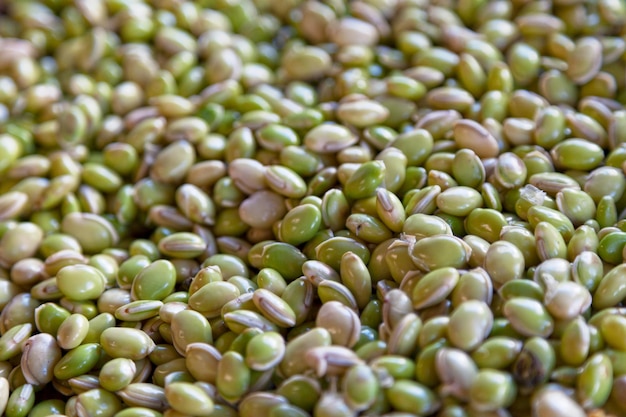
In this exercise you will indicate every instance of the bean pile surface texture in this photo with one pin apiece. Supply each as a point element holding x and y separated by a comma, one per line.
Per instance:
<point>298,208</point>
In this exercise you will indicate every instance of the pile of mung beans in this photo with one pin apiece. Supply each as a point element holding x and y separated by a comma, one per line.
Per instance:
<point>292,208</point>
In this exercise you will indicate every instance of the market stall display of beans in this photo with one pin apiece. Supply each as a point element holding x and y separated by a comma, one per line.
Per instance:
<point>299,208</point>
